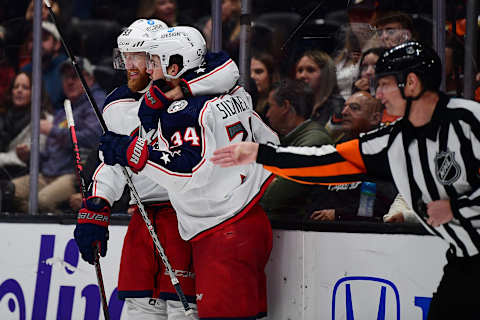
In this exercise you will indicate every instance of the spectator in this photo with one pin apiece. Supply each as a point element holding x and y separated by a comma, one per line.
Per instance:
<point>317,69</point>
<point>365,82</point>
<point>24,56</point>
<point>346,62</point>
<point>166,11</point>
<point>15,126</point>
<point>290,108</point>
<point>362,113</point>
<point>262,71</point>
<point>6,69</point>
<point>26,29</point>
<point>45,14</point>
<point>356,36</point>
<point>394,28</point>
<point>360,17</point>
<point>89,167</point>
<point>57,179</point>
<point>230,28</point>
<point>366,73</point>
<point>52,59</point>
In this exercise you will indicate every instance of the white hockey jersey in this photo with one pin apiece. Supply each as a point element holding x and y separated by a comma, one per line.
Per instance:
<point>204,195</point>
<point>120,114</point>
<point>218,74</point>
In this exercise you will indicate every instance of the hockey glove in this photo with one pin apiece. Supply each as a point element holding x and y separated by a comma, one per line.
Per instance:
<point>153,103</point>
<point>124,150</point>
<point>92,228</point>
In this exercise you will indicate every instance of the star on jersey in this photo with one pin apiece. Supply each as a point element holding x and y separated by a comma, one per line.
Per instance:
<point>200,70</point>
<point>165,157</point>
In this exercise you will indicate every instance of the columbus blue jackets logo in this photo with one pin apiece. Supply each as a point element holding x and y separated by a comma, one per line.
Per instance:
<point>177,106</point>
<point>448,170</point>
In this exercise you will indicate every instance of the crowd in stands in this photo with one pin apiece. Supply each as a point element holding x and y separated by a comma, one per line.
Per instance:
<point>314,85</point>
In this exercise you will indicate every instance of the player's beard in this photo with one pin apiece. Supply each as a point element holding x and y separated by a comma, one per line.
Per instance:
<point>140,82</point>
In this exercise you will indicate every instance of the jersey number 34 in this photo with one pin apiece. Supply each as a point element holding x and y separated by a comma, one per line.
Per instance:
<point>190,135</point>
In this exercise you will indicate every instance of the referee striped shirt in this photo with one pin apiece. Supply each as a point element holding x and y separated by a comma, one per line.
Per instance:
<point>438,161</point>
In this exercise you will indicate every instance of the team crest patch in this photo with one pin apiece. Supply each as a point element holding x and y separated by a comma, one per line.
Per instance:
<point>177,106</point>
<point>448,170</point>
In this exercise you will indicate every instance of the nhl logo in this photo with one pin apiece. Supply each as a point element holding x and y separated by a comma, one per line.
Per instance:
<point>177,106</point>
<point>448,170</point>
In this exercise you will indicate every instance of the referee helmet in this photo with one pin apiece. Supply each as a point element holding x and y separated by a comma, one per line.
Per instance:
<point>411,57</point>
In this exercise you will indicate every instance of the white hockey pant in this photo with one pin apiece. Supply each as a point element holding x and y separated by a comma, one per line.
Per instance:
<point>157,309</point>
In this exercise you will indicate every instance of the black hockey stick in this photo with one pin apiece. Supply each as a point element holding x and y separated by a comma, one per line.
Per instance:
<point>300,25</point>
<point>133,190</point>
<point>79,170</point>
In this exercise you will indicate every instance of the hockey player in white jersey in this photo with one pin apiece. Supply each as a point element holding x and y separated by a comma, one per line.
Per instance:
<point>217,208</point>
<point>143,282</point>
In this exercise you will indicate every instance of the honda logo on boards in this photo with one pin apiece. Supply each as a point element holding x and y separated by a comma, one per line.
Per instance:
<point>356,298</point>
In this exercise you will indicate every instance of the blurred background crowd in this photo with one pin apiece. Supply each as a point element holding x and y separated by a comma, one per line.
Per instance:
<point>312,81</point>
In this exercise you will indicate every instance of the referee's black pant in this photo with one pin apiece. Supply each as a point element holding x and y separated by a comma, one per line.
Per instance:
<point>458,294</point>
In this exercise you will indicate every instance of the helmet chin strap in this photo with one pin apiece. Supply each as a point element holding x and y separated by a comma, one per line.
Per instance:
<point>409,101</point>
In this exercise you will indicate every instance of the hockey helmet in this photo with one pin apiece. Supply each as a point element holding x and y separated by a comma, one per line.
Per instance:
<point>183,42</point>
<point>410,57</point>
<point>135,39</point>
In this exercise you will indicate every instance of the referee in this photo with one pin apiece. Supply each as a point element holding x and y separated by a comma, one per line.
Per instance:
<point>432,154</point>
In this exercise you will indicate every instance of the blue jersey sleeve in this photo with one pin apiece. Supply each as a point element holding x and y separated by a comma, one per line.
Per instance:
<point>212,61</point>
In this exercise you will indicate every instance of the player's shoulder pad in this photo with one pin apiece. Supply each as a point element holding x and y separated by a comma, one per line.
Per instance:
<point>211,62</point>
<point>122,92</point>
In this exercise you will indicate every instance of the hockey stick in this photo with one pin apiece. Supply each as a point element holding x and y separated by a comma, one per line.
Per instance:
<point>133,190</point>
<point>300,25</point>
<point>79,170</point>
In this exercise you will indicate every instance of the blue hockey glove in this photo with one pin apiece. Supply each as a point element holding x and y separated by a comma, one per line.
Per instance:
<point>124,150</point>
<point>92,228</point>
<point>153,103</point>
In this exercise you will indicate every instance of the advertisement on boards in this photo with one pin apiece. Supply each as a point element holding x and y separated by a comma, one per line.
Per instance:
<point>42,275</point>
<point>347,276</point>
<point>311,275</point>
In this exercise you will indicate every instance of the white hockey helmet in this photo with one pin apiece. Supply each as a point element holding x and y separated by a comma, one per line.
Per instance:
<point>186,42</point>
<point>135,39</point>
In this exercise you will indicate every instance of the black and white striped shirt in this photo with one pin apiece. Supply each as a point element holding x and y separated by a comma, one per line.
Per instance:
<point>438,161</point>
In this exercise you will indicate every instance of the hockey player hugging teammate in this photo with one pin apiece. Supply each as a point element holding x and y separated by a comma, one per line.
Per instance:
<point>143,282</point>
